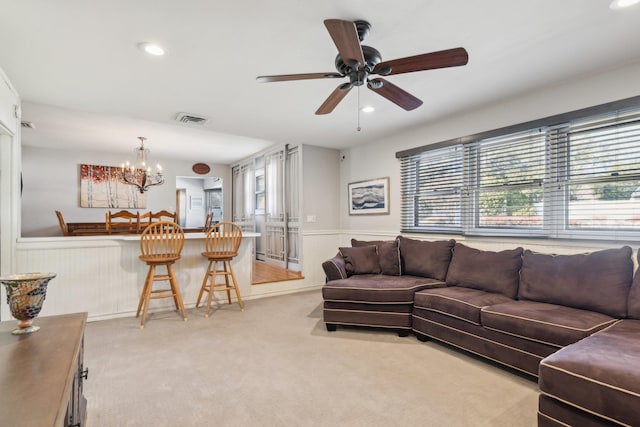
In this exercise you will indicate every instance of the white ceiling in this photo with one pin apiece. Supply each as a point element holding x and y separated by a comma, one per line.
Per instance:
<point>84,82</point>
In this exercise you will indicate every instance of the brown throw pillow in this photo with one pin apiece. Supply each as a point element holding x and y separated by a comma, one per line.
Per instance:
<point>388,255</point>
<point>425,259</point>
<point>485,270</point>
<point>596,281</point>
<point>361,260</point>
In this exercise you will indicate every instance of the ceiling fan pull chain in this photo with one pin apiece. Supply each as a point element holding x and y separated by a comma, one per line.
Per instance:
<point>358,128</point>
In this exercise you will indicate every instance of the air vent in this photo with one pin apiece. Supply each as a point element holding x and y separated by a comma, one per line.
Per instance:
<point>191,119</point>
<point>29,125</point>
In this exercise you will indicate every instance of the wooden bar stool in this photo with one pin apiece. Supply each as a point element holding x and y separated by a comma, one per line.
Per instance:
<point>221,246</point>
<point>160,244</point>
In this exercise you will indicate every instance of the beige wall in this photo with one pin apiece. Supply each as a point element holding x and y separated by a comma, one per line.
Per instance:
<point>320,183</point>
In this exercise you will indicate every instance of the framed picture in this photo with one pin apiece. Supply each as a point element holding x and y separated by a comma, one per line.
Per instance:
<point>100,188</point>
<point>370,197</point>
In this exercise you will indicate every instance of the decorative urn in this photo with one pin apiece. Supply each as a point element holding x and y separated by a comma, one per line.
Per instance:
<point>25,295</point>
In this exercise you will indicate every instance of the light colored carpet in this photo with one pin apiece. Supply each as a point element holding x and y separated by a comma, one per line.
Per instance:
<point>275,365</point>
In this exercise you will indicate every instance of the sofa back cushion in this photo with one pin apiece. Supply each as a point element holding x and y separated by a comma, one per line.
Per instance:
<point>361,260</point>
<point>425,259</point>
<point>597,281</point>
<point>633,303</point>
<point>485,270</point>
<point>388,254</point>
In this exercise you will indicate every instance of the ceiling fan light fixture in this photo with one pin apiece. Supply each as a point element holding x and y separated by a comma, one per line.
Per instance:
<point>358,62</point>
<point>151,48</point>
<point>622,4</point>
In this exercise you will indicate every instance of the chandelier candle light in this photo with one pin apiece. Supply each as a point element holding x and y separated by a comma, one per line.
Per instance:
<point>139,173</point>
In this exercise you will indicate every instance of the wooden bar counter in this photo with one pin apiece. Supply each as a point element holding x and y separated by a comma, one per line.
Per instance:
<point>41,374</point>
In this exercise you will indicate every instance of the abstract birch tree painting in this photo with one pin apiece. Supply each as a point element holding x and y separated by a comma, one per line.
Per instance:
<point>100,188</point>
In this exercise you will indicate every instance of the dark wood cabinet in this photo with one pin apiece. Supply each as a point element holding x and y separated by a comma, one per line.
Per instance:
<point>42,374</point>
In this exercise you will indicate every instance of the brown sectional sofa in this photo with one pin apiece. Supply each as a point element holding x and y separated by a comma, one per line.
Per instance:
<point>568,319</point>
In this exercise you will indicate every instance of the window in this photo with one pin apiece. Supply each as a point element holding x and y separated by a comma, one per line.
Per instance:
<point>505,177</point>
<point>431,190</point>
<point>602,182</point>
<point>579,178</point>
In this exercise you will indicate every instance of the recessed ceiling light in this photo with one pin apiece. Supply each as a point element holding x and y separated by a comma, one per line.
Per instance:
<point>621,4</point>
<point>368,109</point>
<point>151,48</point>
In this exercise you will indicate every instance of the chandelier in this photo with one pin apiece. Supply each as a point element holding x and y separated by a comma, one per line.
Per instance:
<point>139,173</point>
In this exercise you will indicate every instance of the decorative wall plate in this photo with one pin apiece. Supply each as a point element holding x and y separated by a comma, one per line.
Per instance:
<point>201,168</point>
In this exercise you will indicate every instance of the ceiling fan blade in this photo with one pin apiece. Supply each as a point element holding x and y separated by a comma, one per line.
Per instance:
<point>334,99</point>
<point>288,77</point>
<point>394,94</point>
<point>345,37</point>
<point>427,61</point>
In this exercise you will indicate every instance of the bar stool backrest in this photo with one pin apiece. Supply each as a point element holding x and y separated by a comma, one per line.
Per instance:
<point>162,239</point>
<point>224,239</point>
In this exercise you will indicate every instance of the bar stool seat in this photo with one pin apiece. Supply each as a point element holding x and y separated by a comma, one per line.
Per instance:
<point>160,244</point>
<point>221,246</point>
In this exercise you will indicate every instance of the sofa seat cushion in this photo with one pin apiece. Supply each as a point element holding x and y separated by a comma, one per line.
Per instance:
<point>377,288</point>
<point>460,302</point>
<point>546,323</point>
<point>384,315</point>
<point>516,352</point>
<point>598,374</point>
<point>368,306</point>
<point>553,413</point>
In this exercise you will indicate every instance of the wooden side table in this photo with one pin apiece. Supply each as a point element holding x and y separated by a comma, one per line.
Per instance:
<point>41,374</point>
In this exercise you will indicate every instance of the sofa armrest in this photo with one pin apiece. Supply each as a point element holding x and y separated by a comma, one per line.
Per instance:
<point>334,268</point>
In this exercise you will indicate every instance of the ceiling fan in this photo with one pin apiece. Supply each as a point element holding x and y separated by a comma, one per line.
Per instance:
<point>358,62</point>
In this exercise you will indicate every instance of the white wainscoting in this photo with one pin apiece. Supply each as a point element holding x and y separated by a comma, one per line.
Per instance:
<point>103,275</point>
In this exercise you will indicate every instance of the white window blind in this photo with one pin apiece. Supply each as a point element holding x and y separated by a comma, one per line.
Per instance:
<point>601,186</point>
<point>432,184</point>
<point>574,179</point>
